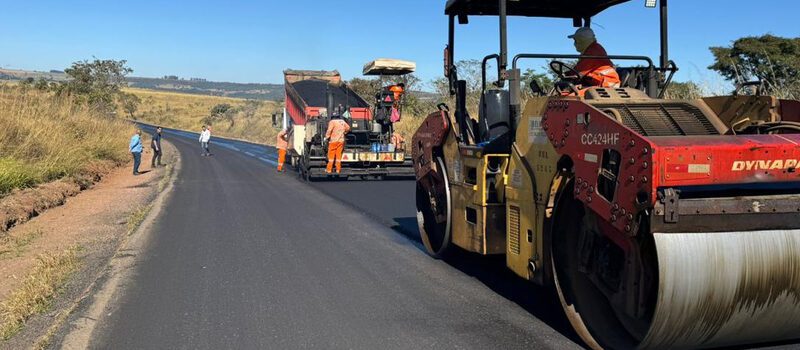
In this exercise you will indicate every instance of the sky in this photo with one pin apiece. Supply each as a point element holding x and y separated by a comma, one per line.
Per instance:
<point>254,41</point>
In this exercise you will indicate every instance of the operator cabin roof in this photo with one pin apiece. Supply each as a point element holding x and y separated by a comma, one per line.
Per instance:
<point>531,8</point>
<point>389,66</point>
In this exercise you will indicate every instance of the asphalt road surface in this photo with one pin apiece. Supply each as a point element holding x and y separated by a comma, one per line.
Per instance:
<point>243,257</point>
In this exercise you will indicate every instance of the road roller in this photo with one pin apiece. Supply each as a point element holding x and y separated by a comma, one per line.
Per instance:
<point>660,223</point>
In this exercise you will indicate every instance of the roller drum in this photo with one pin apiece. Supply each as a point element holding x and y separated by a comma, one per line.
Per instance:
<point>726,288</point>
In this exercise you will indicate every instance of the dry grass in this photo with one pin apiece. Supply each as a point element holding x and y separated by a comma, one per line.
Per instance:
<point>252,120</point>
<point>137,217</point>
<point>44,138</point>
<point>14,246</point>
<point>37,291</point>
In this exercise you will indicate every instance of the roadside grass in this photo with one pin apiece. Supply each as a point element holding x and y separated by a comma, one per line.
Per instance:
<point>162,184</point>
<point>250,120</point>
<point>136,218</point>
<point>11,246</point>
<point>44,138</point>
<point>36,294</point>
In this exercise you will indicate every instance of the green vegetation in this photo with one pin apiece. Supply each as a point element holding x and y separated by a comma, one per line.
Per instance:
<point>775,61</point>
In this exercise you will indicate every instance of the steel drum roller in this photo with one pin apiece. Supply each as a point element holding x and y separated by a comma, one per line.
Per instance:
<point>725,288</point>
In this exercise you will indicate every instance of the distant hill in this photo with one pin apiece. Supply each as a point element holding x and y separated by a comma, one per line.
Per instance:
<point>255,91</point>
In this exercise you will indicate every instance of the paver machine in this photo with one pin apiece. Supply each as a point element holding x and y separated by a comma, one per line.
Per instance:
<point>660,223</point>
<point>312,97</point>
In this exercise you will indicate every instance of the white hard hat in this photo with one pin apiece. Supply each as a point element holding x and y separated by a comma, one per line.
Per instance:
<point>583,33</point>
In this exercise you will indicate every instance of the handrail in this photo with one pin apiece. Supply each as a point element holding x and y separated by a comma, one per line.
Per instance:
<point>483,68</point>
<point>668,81</point>
<point>577,57</point>
<point>652,84</point>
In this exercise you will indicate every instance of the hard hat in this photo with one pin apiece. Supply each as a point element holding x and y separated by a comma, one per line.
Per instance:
<point>583,33</point>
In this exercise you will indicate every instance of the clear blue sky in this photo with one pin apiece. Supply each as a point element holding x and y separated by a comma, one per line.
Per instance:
<point>253,41</point>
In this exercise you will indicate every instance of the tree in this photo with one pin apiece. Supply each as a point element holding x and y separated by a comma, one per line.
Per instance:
<point>775,61</point>
<point>130,103</point>
<point>222,111</point>
<point>41,85</point>
<point>27,82</point>
<point>412,104</point>
<point>684,91</point>
<point>97,82</point>
<point>545,81</point>
<point>365,88</point>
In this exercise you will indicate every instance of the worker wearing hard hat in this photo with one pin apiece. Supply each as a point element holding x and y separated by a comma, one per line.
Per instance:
<point>282,143</point>
<point>397,90</point>
<point>337,128</point>
<point>595,71</point>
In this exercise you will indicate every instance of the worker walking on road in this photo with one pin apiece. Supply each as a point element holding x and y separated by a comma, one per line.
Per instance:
<point>135,148</point>
<point>205,137</point>
<point>337,128</point>
<point>282,143</point>
<point>595,71</point>
<point>155,144</point>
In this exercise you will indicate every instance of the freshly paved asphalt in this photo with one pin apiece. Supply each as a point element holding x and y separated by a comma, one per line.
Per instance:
<point>243,257</point>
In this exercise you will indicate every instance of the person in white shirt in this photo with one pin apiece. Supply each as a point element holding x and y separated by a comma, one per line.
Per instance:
<point>205,136</point>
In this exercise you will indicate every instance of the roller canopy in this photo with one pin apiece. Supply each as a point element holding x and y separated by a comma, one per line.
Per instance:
<point>531,8</point>
<point>388,66</point>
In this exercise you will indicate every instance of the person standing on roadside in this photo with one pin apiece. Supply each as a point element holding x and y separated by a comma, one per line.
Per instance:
<point>205,137</point>
<point>282,143</point>
<point>155,144</point>
<point>135,148</point>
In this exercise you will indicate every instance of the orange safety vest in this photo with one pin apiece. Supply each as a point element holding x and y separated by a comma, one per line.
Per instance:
<point>282,141</point>
<point>397,140</point>
<point>397,90</point>
<point>597,71</point>
<point>337,128</point>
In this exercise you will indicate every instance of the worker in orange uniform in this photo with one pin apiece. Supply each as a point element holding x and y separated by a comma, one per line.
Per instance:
<point>398,141</point>
<point>398,90</point>
<point>282,143</point>
<point>337,128</point>
<point>595,71</point>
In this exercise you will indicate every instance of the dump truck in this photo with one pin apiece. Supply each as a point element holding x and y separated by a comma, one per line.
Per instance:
<point>660,223</point>
<point>311,99</point>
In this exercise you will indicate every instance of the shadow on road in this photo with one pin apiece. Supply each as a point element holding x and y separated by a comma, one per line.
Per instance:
<point>541,302</point>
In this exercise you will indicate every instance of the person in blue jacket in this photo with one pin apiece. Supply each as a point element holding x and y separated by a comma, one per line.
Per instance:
<point>136,150</point>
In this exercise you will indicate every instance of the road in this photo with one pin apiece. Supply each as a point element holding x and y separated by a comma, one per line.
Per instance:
<point>244,257</point>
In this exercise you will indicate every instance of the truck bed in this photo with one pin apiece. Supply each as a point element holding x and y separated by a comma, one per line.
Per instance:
<point>313,93</point>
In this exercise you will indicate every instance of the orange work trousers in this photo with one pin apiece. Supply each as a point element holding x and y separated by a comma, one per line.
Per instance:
<point>281,158</point>
<point>335,156</point>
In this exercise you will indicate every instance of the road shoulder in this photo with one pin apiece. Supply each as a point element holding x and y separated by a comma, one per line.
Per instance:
<point>92,225</point>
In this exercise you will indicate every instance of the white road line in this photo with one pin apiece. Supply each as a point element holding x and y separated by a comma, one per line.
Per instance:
<point>269,161</point>
<point>249,154</point>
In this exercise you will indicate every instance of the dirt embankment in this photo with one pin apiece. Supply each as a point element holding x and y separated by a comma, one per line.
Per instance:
<point>52,259</point>
<point>20,206</point>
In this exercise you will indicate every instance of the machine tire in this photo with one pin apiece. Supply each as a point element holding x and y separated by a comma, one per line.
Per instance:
<point>435,236</point>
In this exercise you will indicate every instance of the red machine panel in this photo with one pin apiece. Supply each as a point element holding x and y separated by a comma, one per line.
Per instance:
<point>618,171</point>
<point>613,164</point>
